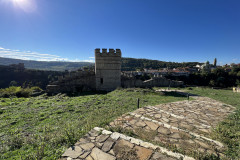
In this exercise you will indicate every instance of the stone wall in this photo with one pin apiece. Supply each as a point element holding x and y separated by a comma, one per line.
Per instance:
<point>128,82</point>
<point>108,69</point>
<point>74,82</point>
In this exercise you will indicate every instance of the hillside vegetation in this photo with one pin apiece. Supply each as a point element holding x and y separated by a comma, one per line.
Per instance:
<point>44,65</point>
<point>26,77</point>
<point>132,64</point>
<point>128,64</point>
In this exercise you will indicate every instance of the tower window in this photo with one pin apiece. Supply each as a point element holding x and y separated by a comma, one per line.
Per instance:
<point>101,80</point>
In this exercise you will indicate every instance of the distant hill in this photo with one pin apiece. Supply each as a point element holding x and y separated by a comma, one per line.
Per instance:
<point>43,65</point>
<point>131,64</point>
<point>128,64</point>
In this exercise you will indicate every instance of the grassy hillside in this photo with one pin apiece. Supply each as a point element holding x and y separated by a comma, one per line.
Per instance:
<point>43,127</point>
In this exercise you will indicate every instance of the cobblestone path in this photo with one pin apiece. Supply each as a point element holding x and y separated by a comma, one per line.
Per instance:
<point>178,130</point>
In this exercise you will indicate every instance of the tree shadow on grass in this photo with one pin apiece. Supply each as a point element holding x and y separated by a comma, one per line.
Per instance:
<point>178,94</point>
<point>87,93</point>
<point>76,94</point>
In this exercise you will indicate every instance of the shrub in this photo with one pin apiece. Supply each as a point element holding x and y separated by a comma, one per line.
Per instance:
<point>18,91</point>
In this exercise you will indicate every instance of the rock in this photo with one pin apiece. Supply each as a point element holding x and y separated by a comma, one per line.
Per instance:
<point>98,129</point>
<point>97,154</point>
<point>164,131</point>
<point>111,152</point>
<point>140,124</point>
<point>124,137</point>
<point>83,140</point>
<point>202,144</point>
<point>89,158</point>
<point>160,156</point>
<point>107,145</point>
<point>153,126</point>
<point>147,128</point>
<point>165,119</point>
<point>135,141</point>
<point>73,153</point>
<point>115,136</point>
<point>92,138</point>
<point>186,126</point>
<point>148,145</point>
<point>84,155</point>
<point>175,135</point>
<point>137,115</point>
<point>87,146</point>
<point>111,124</point>
<point>204,130</point>
<point>132,122</point>
<point>143,153</point>
<point>158,116</point>
<point>99,145</point>
<point>102,138</point>
<point>93,133</point>
<point>106,132</point>
<point>124,143</point>
<point>141,110</point>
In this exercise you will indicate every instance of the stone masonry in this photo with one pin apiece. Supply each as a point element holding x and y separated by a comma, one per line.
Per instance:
<point>108,69</point>
<point>178,130</point>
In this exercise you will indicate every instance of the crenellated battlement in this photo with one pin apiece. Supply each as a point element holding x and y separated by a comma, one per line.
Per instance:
<point>107,69</point>
<point>106,53</point>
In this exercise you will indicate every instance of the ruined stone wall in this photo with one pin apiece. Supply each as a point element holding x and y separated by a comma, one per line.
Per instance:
<point>73,82</point>
<point>128,82</point>
<point>108,69</point>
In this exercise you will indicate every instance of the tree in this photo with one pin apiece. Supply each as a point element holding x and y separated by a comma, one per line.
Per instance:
<point>13,83</point>
<point>215,62</point>
<point>238,82</point>
<point>238,74</point>
<point>212,83</point>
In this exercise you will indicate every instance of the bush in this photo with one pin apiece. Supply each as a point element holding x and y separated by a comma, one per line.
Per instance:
<point>18,91</point>
<point>36,89</point>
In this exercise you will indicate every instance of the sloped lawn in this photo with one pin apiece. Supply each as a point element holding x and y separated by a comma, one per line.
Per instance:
<point>43,127</point>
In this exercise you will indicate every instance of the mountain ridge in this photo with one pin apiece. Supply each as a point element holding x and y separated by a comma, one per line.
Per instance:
<point>128,64</point>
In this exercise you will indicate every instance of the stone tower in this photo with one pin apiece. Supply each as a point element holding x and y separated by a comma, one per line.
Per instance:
<point>107,69</point>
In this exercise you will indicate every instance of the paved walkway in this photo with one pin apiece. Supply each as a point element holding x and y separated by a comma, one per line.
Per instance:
<point>178,130</point>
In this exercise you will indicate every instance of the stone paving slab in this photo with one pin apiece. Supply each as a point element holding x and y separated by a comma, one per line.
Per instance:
<point>183,127</point>
<point>205,111</point>
<point>100,144</point>
<point>184,124</point>
<point>197,116</point>
<point>166,135</point>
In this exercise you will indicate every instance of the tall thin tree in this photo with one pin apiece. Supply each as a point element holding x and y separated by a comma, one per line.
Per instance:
<point>215,62</point>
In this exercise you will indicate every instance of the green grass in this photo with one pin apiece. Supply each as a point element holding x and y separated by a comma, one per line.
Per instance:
<point>43,127</point>
<point>227,131</point>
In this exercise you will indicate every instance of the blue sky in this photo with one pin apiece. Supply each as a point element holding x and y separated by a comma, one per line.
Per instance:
<point>167,30</point>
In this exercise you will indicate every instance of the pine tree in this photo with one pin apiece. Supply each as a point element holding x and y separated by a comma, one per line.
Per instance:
<point>215,62</point>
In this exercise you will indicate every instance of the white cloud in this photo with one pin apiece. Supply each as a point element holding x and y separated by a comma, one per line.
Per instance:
<point>29,55</point>
<point>92,61</point>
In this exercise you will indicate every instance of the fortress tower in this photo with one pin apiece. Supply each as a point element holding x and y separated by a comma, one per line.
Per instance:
<point>107,69</point>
